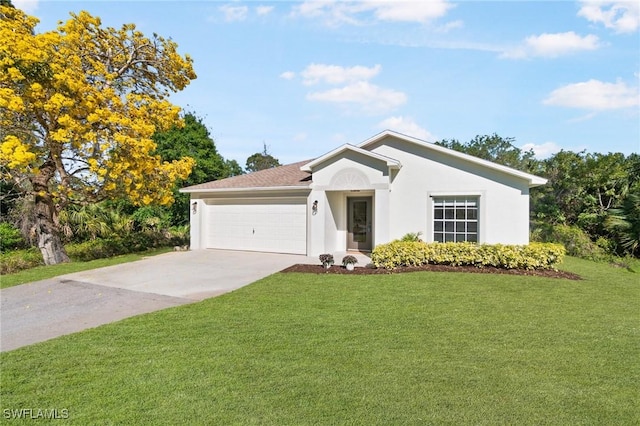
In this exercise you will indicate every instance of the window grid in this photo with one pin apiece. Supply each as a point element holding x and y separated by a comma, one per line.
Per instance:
<point>455,219</point>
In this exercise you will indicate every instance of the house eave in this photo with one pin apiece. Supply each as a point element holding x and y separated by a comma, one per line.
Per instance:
<point>538,181</point>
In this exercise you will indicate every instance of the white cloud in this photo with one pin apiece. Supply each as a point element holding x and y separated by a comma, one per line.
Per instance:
<point>595,95</point>
<point>27,6</point>
<point>561,43</point>
<point>330,11</point>
<point>335,74</point>
<point>407,126</point>
<point>288,75</point>
<point>369,97</point>
<point>313,8</point>
<point>408,11</point>
<point>264,10</point>
<point>234,13</point>
<point>553,45</point>
<point>450,26</point>
<point>355,93</point>
<point>351,12</point>
<point>620,16</point>
<point>543,150</point>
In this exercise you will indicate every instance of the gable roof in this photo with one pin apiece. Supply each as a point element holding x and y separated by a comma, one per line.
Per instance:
<point>283,177</point>
<point>532,179</point>
<point>297,176</point>
<point>390,162</point>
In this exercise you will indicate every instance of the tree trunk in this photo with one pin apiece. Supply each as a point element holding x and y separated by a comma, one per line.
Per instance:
<point>49,241</point>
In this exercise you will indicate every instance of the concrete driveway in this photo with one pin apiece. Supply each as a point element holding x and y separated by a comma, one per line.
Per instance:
<point>195,275</point>
<point>43,310</point>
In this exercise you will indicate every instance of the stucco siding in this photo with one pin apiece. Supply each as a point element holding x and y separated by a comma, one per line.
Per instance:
<point>351,171</point>
<point>504,199</point>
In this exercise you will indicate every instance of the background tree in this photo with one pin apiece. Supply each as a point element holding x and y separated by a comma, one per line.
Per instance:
<point>624,224</point>
<point>583,187</point>
<point>233,167</point>
<point>497,149</point>
<point>192,140</point>
<point>589,202</point>
<point>78,106</point>
<point>261,161</point>
<point>562,199</point>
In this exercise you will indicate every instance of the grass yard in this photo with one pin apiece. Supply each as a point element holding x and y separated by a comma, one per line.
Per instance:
<point>418,348</point>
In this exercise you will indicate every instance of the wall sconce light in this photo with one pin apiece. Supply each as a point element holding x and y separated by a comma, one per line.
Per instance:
<point>194,207</point>
<point>314,207</point>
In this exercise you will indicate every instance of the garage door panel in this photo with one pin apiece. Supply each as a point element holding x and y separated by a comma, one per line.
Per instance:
<point>277,225</point>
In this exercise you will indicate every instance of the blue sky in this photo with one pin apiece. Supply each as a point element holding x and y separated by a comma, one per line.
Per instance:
<point>306,77</point>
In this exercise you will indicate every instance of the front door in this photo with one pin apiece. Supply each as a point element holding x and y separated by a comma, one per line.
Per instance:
<point>359,223</point>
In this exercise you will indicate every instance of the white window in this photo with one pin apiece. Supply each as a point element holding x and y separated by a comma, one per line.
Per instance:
<point>455,219</point>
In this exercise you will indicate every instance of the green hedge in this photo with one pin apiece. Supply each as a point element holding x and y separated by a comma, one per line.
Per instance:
<point>99,248</point>
<point>575,240</point>
<point>10,237</point>
<point>107,247</point>
<point>18,260</point>
<point>407,253</point>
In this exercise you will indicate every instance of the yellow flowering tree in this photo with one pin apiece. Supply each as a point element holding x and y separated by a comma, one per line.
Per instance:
<point>78,107</point>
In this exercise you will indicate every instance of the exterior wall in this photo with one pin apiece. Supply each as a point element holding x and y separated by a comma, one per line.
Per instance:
<point>195,228</point>
<point>504,199</point>
<point>382,216</point>
<point>316,223</point>
<point>335,230</point>
<point>348,175</point>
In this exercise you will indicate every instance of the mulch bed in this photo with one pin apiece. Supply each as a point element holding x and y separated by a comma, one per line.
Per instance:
<point>319,269</point>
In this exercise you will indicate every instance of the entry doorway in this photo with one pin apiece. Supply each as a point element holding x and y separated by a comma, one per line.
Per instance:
<point>359,223</point>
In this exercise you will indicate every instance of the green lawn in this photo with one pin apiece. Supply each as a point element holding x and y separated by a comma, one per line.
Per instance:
<point>418,348</point>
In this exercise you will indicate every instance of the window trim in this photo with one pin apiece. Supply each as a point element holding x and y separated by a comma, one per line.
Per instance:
<point>481,200</point>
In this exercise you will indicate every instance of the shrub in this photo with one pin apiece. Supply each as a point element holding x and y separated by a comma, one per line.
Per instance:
<point>411,236</point>
<point>179,235</point>
<point>575,240</point>
<point>96,249</point>
<point>18,260</point>
<point>10,237</point>
<point>151,218</point>
<point>349,260</point>
<point>532,256</point>
<point>326,259</point>
<point>107,247</point>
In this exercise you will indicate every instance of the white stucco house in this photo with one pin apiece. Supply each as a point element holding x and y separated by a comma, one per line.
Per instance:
<point>358,196</point>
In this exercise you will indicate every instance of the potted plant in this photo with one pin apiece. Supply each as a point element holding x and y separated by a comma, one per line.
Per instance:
<point>327,260</point>
<point>349,262</point>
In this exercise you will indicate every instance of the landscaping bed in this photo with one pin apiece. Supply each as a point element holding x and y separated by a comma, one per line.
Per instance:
<point>319,269</point>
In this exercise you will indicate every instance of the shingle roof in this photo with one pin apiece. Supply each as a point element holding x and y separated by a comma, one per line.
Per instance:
<point>282,176</point>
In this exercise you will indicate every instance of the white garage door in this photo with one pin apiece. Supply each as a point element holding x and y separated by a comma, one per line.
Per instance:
<point>274,225</point>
